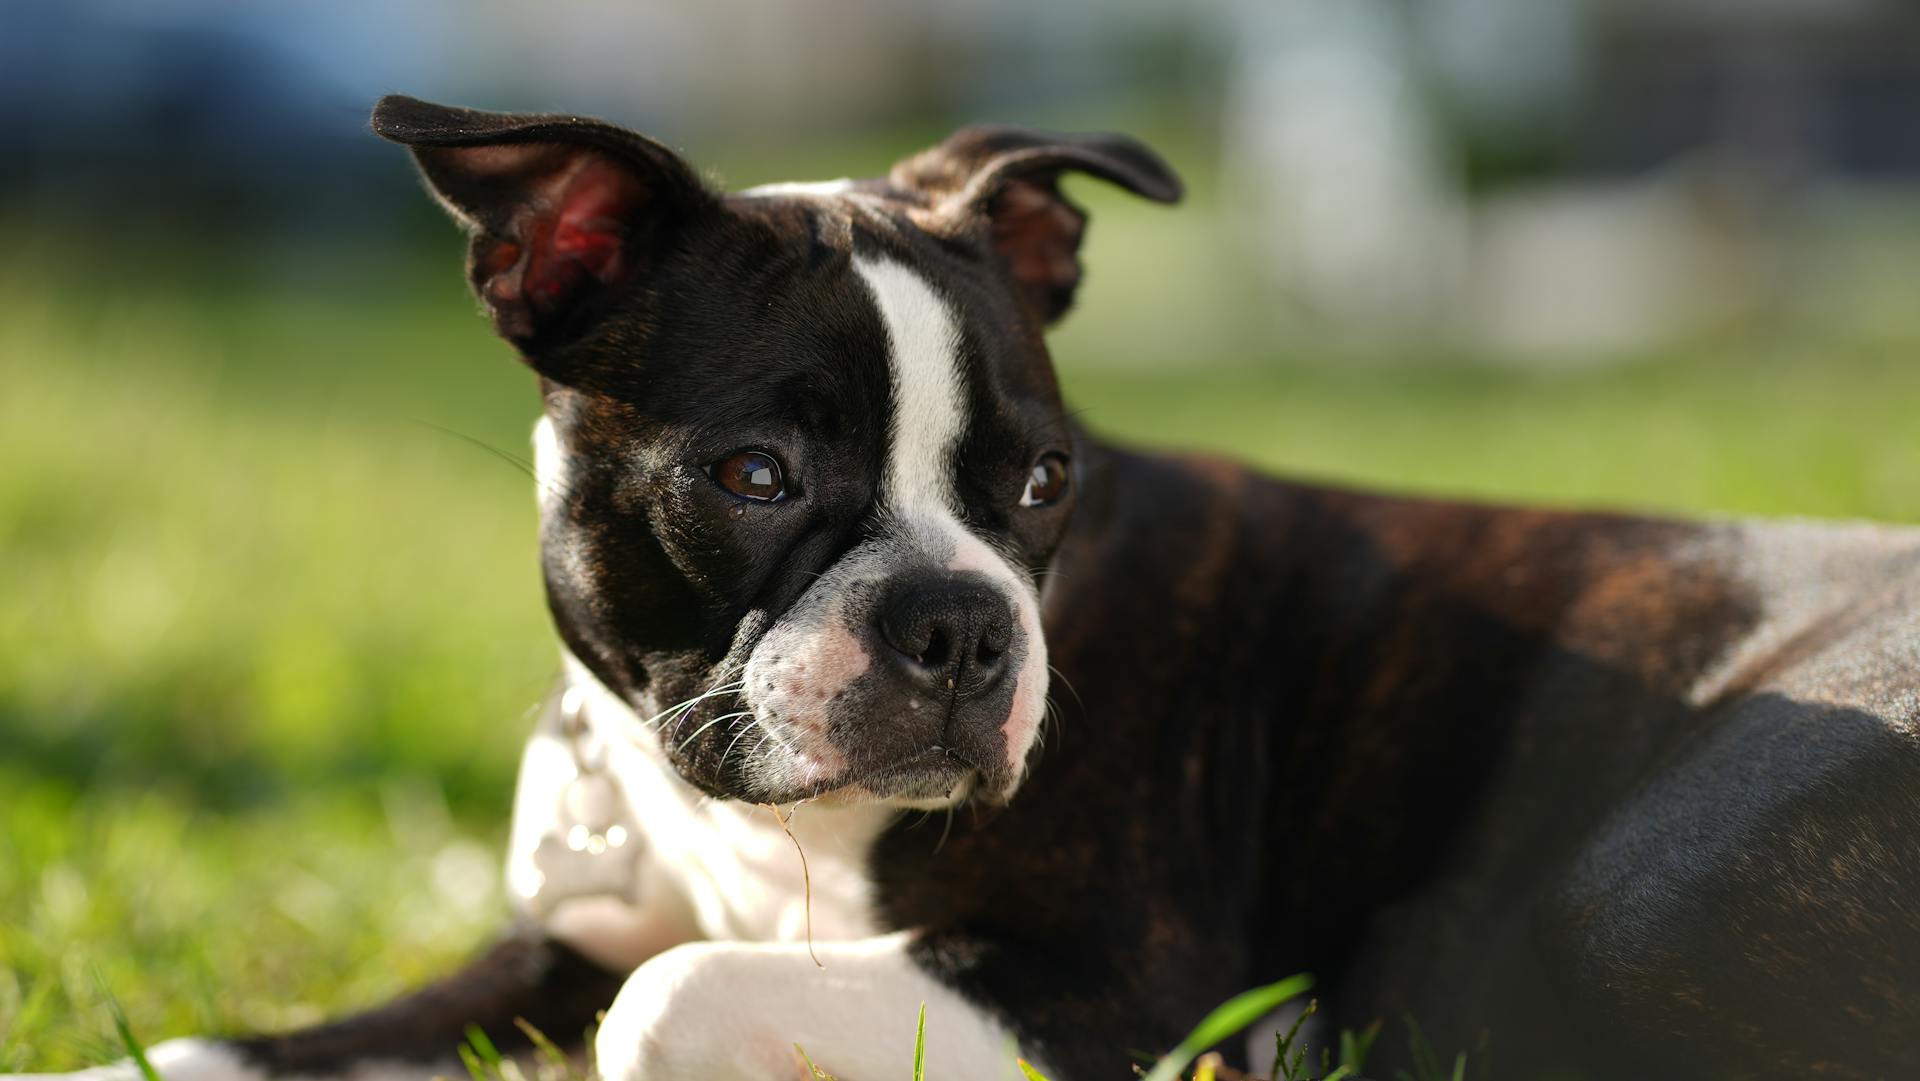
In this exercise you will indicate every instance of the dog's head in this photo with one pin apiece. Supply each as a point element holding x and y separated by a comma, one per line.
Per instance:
<point>803,457</point>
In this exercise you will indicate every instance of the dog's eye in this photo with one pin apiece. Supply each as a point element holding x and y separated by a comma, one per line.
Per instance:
<point>750,474</point>
<point>1047,483</point>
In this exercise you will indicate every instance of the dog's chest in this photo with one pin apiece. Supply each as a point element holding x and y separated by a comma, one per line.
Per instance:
<point>742,872</point>
<point>602,822</point>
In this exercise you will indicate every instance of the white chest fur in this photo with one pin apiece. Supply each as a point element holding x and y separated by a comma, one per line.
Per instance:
<point>621,857</point>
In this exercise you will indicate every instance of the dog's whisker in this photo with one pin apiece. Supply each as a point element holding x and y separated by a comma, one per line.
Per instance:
<point>757,744</point>
<point>744,729</point>
<point>511,459</point>
<point>695,700</point>
<point>696,732</point>
<point>945,831</point>
<point>775,732</point>
<point>725,688</point>
<point>680,722</point>
<point>1068,684</point>
<point>683,709</point>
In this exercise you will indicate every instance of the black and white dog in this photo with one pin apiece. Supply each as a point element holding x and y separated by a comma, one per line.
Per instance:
<point>1640,798</point>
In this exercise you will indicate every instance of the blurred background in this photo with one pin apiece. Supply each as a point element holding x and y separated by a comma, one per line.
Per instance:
<point>270,624</point>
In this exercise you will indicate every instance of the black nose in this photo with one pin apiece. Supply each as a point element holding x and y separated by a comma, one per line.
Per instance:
<point>948,633</point>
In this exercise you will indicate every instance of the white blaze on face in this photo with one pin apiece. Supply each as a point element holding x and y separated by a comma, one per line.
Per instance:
<point>929,398</point>
<point>929,418</point>
<point>800,189</point>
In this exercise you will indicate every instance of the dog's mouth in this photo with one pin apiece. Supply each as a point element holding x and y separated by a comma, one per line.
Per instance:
<point>928,776</point>
<point>935,776</point>
<point>781,759</point>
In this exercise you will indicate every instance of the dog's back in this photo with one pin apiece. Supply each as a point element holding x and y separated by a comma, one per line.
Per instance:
<point>1623,793</point>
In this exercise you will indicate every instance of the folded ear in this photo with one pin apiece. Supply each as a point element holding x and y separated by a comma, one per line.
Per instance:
<point>562,210</point>
<point>1007,181</point>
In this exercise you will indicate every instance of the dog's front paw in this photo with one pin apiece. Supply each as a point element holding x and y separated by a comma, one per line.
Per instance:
<point>738,1011</point>
<point>690,1014</point>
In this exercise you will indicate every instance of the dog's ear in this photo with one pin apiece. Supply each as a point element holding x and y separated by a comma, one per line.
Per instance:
<point>1006,181</point>
<point>562,210</point>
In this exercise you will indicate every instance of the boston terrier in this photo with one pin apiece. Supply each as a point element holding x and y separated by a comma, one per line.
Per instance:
<point>886,684</point>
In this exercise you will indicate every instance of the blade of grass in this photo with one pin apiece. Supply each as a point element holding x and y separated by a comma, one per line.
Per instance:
<point>1287,1054</point>
<point>920,1047</point>
<point>1356,1046</point>
<point>1426,1061</point>
<point>482,1046</point>
<point>38,1004</point>
<point>1228,1018</point>
<point>813,1071</point>
<point>1028,1072</point>
<point>546,1048</point>
<point>476,1069</point>
<point>134,1050</point>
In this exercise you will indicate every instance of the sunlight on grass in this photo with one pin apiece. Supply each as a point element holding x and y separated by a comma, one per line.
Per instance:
<point>1778,431</point>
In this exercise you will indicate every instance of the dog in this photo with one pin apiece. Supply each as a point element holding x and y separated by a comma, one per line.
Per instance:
<point>887,684</point>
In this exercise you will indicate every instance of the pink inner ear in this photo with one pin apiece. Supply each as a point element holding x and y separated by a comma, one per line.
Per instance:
<point>1038,234</point>
<point>590,217</point>
<point>566,244</point>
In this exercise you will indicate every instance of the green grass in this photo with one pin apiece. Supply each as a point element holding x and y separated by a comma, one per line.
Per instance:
<point>268,636</point>
<point>1227,1020</point>
<point>245,773</point>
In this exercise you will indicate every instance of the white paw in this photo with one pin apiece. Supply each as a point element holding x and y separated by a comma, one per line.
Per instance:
<point>735,1011</point>
<point>688,1015</point>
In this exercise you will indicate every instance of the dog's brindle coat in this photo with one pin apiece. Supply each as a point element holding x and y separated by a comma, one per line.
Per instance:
<point>1637,797</point>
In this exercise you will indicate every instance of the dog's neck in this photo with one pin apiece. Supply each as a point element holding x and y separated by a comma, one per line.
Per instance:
<point>741,871</point>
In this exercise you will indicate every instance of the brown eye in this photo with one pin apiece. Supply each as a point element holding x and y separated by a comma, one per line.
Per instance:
<point>1047,483</point>
<point>750,474</point>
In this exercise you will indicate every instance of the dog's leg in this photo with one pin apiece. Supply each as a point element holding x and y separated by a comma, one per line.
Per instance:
<point>590,920</point>
<point>526,976</point>
<point>1751,911</point>
<point>723,1011</point>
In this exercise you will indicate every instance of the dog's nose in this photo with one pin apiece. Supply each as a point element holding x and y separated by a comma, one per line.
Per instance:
<point>948,634</point>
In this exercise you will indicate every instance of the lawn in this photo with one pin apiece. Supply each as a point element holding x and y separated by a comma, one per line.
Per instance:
<point>271,627</point>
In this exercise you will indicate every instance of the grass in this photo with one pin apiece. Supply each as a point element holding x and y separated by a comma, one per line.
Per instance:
<point>269,635</point>
<point>483,1061</point>
<point>1231,1017</point>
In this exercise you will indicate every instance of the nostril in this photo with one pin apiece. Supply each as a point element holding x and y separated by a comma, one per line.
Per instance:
<point>987,653</point>
<point>911,636</point>
<point>938,649</point>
